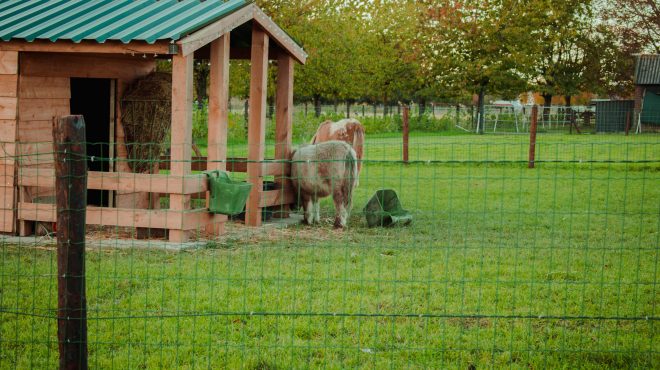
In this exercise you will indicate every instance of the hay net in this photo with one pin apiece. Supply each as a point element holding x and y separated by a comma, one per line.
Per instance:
<point>147,117</point>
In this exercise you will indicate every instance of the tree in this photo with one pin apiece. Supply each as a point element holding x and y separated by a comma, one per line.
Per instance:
<point>480,46</point>
<point>566,57</point>
<point>636,23</point>
<point>630,27</point>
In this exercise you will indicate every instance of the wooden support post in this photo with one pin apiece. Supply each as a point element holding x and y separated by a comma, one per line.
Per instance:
<point>111,144</point>
<point>257,122</point>
<point>181,144</point>
<point>8,137</point>
<point>406,119</point>
<point>283,120</point>
<point>218,115</point>
<point>71,193</point>
<point>628,122</point>
<point>532,135</point>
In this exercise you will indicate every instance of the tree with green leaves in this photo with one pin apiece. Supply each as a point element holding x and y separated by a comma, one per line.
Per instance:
<point>565,60</point>
<point>480,46</point>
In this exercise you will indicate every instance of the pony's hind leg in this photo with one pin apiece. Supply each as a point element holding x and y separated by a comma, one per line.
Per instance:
<point>341,213</point>
<point>317,211</point>
<point>308,207</point>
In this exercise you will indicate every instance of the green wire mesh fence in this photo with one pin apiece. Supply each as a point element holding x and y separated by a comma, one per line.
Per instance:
<point>502,265</point>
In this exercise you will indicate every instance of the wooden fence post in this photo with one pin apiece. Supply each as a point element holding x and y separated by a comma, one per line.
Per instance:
<point>257,123</point>
<point>532,135</point>
<point>406,116</point>
<point>71,194</point>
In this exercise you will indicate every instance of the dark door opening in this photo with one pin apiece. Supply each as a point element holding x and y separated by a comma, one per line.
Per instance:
<point>91,98</point>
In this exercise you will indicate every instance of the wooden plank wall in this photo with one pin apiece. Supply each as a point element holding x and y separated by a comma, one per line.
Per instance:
<point>8,111</point>
<point>44,92</point>
<point>39,100</point>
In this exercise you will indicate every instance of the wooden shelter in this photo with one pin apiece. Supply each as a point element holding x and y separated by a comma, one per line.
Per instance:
<point>55,55</point>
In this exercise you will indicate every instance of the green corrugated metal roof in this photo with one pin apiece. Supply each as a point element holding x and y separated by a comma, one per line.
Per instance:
<point>102,20</point>
<point>647,70</point>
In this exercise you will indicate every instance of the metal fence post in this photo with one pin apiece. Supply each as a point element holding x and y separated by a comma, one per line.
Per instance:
<point>406,115</point>
<point>71,194</point>
<point>532,136</point>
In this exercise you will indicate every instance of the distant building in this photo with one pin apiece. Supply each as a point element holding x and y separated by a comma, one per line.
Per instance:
<point>647,92</point>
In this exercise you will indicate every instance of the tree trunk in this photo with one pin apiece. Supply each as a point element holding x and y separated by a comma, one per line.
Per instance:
<point>246,110</point>
<point>547,103</point>
<point>201,80</point>
<point>422,107</point>
<point>317,106</point>
<point>305,109</point>
<point>271,108</point>
<point>482,110</point>
<point>571,115</point>
<point>348,109</point>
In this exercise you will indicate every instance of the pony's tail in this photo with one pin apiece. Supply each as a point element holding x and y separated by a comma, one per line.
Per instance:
<point>358,145</point>
<point>351,173</point>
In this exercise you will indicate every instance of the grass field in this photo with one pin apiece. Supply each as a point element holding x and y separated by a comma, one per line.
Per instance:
<point>503,266</point>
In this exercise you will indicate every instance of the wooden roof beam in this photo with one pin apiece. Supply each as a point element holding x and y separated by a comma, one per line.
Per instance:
<point>108,47</point>
<point>215,30</point>
<point>279,36</point>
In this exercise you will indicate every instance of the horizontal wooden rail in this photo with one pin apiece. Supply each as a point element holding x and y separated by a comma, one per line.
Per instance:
<point>276,197</point>
<point>196,163</point>
<point>126,217</point>
<point>121,181</point>
<point>269,167</point>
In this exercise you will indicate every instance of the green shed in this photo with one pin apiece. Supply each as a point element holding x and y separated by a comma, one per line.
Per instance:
<point>614,115</point>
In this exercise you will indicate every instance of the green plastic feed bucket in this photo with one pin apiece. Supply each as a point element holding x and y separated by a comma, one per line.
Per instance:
<point>228,197</point>
<point>384,209</point>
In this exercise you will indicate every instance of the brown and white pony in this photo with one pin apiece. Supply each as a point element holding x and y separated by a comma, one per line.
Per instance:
<point>348,130</point>
<point>321,170</point>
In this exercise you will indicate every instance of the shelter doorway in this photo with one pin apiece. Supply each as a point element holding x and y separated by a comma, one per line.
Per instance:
<point>94,99</point>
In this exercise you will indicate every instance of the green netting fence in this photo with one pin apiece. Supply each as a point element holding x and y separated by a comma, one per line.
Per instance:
<point>502,265</point>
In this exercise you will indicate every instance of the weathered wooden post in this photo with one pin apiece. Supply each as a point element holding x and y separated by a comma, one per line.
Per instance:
<point>71,193</point>
<point>406,116</point>
<point>628,122</point>
<point>257,123</point>
<point>532,135</point>
<point>284,125</point>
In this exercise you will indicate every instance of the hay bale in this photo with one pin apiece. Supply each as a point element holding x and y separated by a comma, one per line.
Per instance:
<point>146,108</point>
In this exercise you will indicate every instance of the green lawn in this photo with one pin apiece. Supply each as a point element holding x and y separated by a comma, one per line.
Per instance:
<point>503,266</point>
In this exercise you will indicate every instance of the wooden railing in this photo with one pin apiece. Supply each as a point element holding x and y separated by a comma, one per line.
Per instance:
<point>121,181</point>
<point>194,185</point>
<point>124,182</point>
<point>268,168</point>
